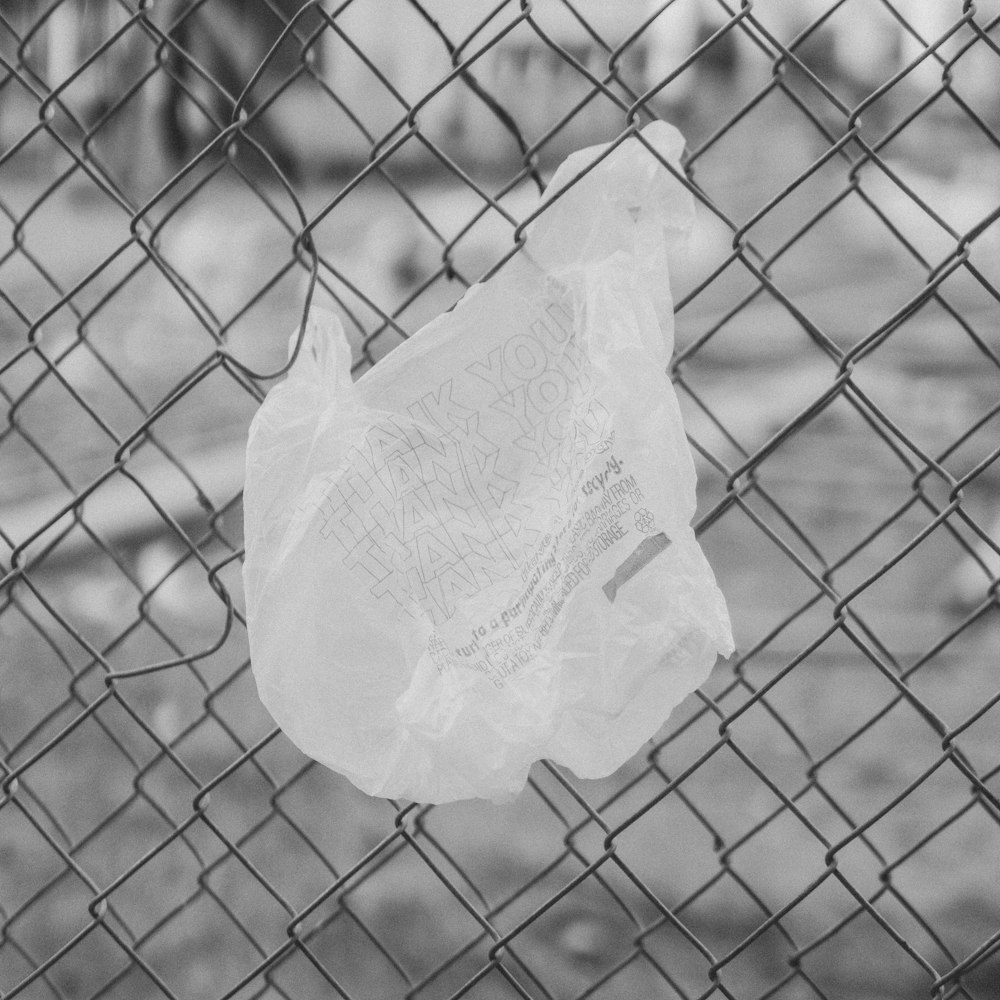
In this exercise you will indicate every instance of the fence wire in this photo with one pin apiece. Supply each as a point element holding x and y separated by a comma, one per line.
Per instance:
<point>181,180</point>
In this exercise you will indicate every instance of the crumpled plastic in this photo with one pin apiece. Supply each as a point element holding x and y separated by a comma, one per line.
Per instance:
<point>479,555</point>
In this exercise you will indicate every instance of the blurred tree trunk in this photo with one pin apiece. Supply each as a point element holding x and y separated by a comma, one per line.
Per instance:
<point>228,42</point>
<point>203,61</point>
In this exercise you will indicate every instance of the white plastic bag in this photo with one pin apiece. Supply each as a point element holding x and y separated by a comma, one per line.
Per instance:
<point>480,554</point>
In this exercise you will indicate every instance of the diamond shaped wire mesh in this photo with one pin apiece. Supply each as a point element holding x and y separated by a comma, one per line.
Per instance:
<point>181,180</point>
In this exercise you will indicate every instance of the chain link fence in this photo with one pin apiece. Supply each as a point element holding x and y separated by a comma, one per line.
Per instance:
<point>180,180</point>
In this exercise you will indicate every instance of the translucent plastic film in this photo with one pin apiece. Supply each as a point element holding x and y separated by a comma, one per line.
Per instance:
<point>480,554</point>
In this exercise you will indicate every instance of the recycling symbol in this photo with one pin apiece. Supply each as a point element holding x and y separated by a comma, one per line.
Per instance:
<point>644,520</point>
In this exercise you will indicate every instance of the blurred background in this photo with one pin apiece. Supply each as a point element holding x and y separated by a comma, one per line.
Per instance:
<point>180,179</point>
